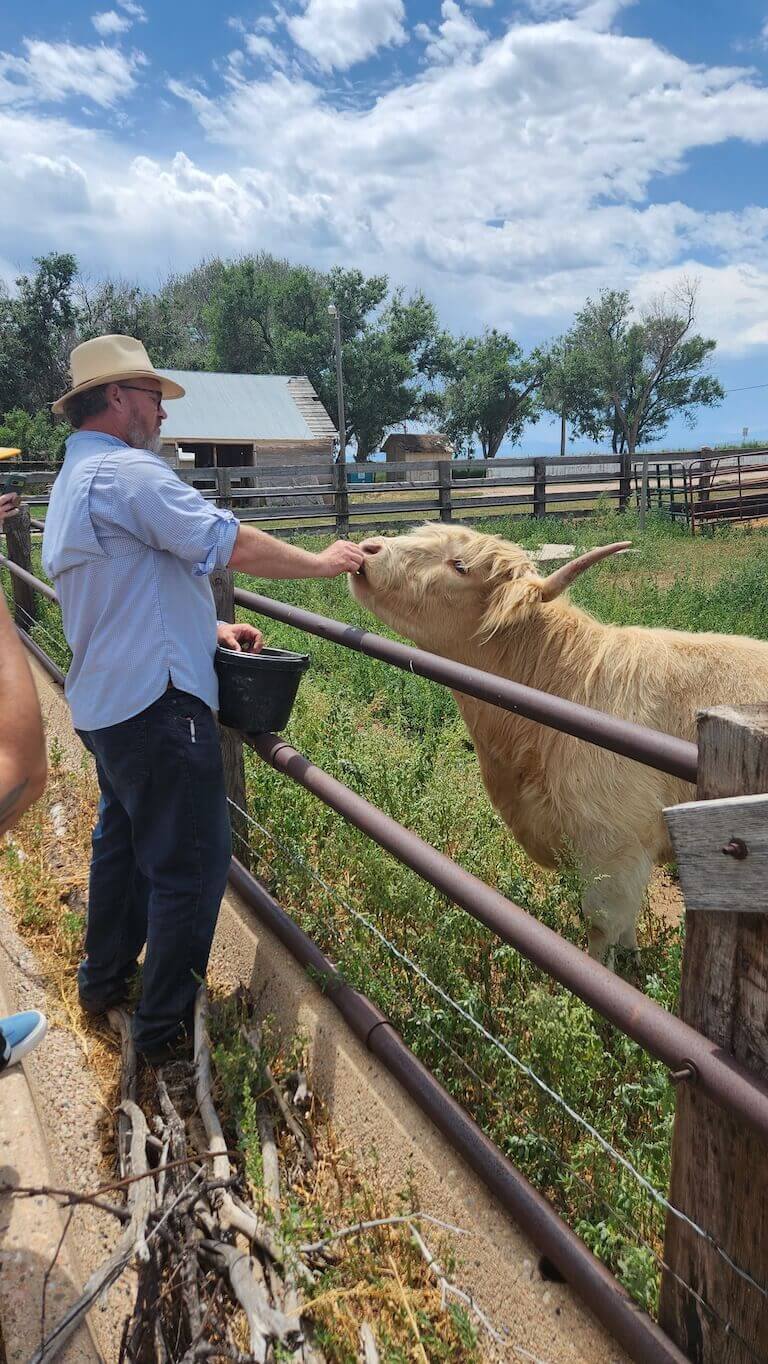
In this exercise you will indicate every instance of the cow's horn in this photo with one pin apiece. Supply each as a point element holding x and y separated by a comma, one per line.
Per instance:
<point>562,578</point>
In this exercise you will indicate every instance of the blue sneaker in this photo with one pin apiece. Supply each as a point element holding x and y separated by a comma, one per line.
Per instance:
<point>19,1033</point>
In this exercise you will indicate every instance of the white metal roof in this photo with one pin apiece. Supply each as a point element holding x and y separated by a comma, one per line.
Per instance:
<point>244,407</point>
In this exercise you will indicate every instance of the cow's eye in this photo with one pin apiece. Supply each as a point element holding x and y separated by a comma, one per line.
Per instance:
<point>459,565</point>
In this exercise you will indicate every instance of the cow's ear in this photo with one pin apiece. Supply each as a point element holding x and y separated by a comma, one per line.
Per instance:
<point>510,602</point>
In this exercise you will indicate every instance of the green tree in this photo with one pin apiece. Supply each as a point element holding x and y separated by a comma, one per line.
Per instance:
<point>37,328</point>
<point>489,390</point>
<point>270,317</point>
<point>569,389</point>
<point>641,373</point>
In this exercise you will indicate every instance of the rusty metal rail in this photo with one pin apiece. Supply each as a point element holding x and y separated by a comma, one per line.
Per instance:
<point>661,751</point>
<point>684,1051</point>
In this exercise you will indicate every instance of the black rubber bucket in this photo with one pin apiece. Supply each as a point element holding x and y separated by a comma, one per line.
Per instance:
<point>257,691</point>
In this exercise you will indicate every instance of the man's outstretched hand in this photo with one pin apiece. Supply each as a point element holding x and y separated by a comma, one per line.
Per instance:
<point>340,557</point>
<point>242,638</point>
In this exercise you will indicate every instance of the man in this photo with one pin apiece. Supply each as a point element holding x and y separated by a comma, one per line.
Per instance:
<point>129,548</point>
<point>22,778</point>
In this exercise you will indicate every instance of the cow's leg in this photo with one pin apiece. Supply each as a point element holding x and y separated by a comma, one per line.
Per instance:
<point>612,905</point>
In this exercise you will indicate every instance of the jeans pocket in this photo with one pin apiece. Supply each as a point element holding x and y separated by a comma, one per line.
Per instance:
<point>122,751</point>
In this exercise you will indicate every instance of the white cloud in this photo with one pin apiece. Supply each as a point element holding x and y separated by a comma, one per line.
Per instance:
<point>109,22</point>
<point>339,33</point>
<point>52,72</point>
<point>732,303</point>
<point>136,12</point>
<point>261,48</point>
<point>457,37</point>
<point>509,186</point>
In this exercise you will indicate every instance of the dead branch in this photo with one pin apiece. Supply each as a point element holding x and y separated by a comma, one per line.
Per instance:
<point>264,1322</point>
<point>253,1038</point>
<point>119,1020</point>
<point>232,1213</point>
<point>66,1198</point>
<point>450,1289</point>
<point>315,1247</point>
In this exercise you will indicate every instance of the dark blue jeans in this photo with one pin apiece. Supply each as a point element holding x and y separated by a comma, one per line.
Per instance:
<point>161,853</point>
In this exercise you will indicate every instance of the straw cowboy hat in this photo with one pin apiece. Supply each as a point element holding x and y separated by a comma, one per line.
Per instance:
<point>111,360</point>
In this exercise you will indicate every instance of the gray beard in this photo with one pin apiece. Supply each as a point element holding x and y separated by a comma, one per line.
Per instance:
<point>138,439</point>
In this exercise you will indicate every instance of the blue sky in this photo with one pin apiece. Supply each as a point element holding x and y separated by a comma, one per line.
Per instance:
<point>509,158</point>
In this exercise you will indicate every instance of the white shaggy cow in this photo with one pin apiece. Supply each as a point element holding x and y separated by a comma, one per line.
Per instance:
<point>479,600</point>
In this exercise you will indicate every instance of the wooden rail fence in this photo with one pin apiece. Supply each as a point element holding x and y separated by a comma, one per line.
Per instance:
<point>343,498</point>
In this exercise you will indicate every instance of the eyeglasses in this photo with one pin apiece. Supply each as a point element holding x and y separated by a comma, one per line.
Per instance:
<point>136,388</point>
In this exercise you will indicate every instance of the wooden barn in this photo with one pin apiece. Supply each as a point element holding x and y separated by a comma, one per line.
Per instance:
<point>237,420</point>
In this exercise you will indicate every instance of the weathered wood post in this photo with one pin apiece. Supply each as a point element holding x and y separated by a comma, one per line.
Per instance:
<point>539,487</point>
<point>18,537</point>
<point>444,489</point>
<point>705,474</point>
<point>224,494</point>
<point>341,500</point>
<point>719,1168</point>
<point>644,492</point>
<point>625,480</point>
<point>223,587</point>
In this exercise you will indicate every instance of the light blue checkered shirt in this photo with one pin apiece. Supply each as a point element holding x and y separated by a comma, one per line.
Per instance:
<point>128,547</point>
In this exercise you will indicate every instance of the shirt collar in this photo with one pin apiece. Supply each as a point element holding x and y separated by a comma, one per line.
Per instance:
<point>82,441</point>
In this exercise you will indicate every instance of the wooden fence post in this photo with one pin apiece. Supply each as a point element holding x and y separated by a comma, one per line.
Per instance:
<point>539,487</point>
<point>644,492</point>
<point>224,496</point>
<point>444,489</point>
<point>719,1168</point>
<point>18,537</point>
<point>341,500</point>
<point>704,485</point>
<point>625,480</point>
<point>223,587</point>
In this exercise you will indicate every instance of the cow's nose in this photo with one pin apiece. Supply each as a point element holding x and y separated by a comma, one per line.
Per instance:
<point>370,546</point>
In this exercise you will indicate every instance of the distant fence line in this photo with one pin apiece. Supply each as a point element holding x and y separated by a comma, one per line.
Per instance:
<point>326,498</point>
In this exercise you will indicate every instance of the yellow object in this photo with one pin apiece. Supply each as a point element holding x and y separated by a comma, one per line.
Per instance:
<point>111,360</point>
<point>6,453</point>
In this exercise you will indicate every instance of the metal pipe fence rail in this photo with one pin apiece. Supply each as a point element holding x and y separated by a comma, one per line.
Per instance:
<point>722,489</point>
<point>664,752</point>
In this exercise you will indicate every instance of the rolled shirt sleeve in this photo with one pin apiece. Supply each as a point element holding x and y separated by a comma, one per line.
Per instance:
<point>149,502</point>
